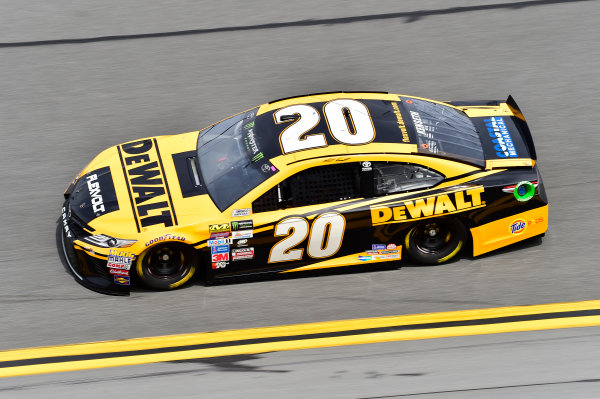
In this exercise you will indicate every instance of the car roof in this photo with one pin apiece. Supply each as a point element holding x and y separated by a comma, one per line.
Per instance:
<point>392,116</point>
<point>389,126</point>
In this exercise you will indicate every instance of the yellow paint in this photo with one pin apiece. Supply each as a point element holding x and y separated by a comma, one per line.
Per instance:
<point>382,148</point>
<point>569,322</point>
<point>508,162</point>
<point>135,344</point>
<point>497,234</point>
<point>426,207</point>
<point>347,260</point>
<point>478,111</point>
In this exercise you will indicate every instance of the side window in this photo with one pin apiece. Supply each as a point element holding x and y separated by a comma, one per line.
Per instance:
<point>318,185</point>
<point>392,177</point>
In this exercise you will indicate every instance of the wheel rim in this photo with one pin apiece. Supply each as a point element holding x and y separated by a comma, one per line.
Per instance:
<point>166,262</point>
<point>433,238</point>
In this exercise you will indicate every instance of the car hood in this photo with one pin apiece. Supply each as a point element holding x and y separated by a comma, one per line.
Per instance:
<point>146,185</point>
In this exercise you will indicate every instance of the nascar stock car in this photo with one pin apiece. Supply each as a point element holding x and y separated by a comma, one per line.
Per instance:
<point>310,182</point>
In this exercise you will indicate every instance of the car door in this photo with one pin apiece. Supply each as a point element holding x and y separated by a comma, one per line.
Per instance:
<point>300,222</point>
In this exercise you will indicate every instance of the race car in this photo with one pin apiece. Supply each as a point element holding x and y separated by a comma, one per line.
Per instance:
<point>311,182</point>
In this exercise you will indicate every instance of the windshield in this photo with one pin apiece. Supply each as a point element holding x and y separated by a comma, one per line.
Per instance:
<point>231,162</point>
<point>444,131</point>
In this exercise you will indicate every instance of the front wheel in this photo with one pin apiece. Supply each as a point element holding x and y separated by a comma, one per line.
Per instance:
<point>435,241</point>
<point>166,266</point>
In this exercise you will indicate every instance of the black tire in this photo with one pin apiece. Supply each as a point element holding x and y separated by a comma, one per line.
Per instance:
<point>435,241</point>
<point>166,266</point>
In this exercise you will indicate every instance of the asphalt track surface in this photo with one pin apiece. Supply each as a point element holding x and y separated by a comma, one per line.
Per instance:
<point>174,66</point>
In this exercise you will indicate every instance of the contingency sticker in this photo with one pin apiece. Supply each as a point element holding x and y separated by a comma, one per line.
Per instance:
<point>119,260</point>
<point>242,253</point>
<point>218,241</point>
<point>122,280</point>
<point>242,225</point>
<point>241,212</point>
<point>236,235</point>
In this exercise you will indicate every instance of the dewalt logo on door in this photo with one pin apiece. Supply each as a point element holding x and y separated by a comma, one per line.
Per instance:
<point>420,208</point>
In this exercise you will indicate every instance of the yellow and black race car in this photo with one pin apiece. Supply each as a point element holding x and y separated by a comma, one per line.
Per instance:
<point>311,182</point>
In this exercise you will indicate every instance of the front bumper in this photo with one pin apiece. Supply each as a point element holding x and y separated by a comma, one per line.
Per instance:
<point>91,271</point>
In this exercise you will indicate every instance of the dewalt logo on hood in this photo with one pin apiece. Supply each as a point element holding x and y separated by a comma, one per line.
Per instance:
<point>420,208</point>
<point>148,188</point>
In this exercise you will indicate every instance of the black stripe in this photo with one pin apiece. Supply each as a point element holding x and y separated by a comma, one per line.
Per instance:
<point>462,176</point>
<point>162,168</point>
<point>133,209</point>
<point>458,323</point>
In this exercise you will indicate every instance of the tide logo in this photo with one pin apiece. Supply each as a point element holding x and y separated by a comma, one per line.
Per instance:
<point>518,226</point>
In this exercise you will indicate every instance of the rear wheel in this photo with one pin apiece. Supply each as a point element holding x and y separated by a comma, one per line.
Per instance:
<point>435,241</point>
<point>166,266</point>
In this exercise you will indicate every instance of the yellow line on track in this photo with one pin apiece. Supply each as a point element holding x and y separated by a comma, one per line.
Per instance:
<point>293,330</point>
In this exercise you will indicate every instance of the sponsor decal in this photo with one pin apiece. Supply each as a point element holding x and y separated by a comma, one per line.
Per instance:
<point>219,265</point>
<point>518,226</point>
<point>94,189</point>
<point>419,126</point>
<point>386,256</point>
<point>342,159</point>
<point>401,125</point>
<point>236,235</point>
<point>389,251</point>
<point>241,212</point>
<point>223,234</point>
<point>119,272</point>
<point>535,221</point>
<point>268,168</point>
<point>219,249</point>
<point>391,246</point>
<point>250,142</point>
<point>122,280</point>
<point>258,157</point>
<point>242,253</point>
<point>119,259</point>
<point>166,237</point>
<point>148,187</point>
<point>366,166</point>
<point>94,195</point>
<point>242,243</point>
<point>221,257</point>
<point>364,258</point>
<point>241,225</point>
<point>218,228</point>
<point>218,241</point>
<point>65,223</point>
<point>378,246</point>
<point>429,206</point>
<point>429,143</point>
<point>371,252</point>
<point>504,145</point>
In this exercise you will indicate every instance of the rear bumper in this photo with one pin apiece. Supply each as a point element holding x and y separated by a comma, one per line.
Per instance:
<point>90,271</point>
<point>509,230</point>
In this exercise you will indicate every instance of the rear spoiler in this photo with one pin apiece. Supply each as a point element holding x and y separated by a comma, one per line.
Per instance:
<point>518,120</point>
<point>522,125</point>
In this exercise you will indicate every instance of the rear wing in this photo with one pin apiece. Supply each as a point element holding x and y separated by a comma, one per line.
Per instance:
<point>505,135</point>
<point>522,125</point>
